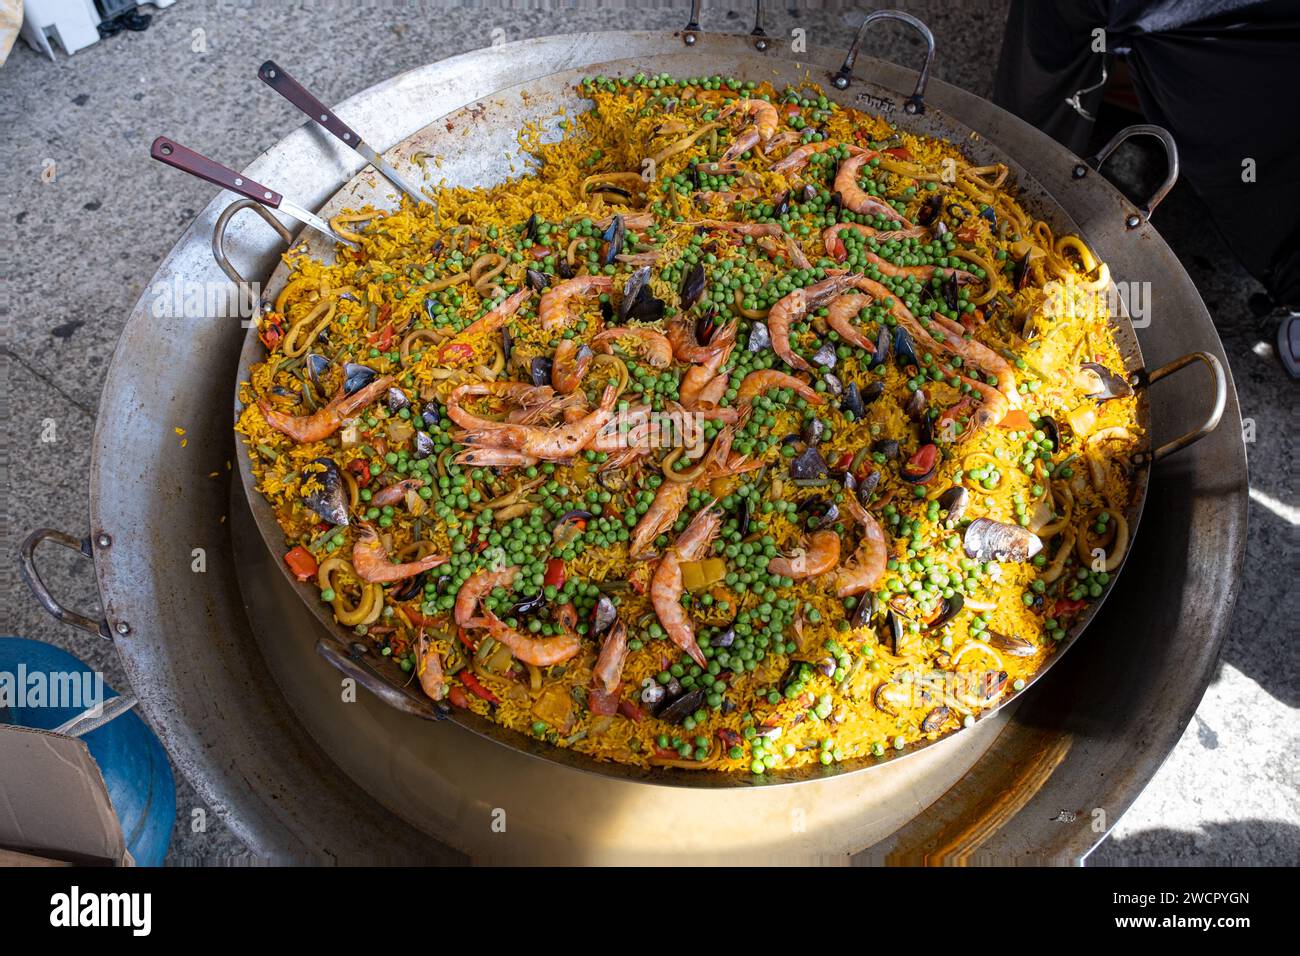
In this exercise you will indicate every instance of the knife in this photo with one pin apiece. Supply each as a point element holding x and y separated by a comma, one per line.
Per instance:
<point>196,164</point>
<point>293,91</point>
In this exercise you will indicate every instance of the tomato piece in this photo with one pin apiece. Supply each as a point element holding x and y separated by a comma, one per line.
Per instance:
<point>631,711</point>
<point>458,699</point>
<point>472,682</point>
<point>455,350</point>
<point>301,563</point>
<point>555,573</point>
<point>923,461</point>
<point>271,335</point>
<point>1064,607</point>
<point>966,234</point>
<point>845,460</point>
<point>899,152</point>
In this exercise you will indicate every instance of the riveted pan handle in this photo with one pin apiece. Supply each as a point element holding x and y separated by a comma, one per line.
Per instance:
<point>1216,412</point>
<point>691,32</point>
<point>1133,220</point>
<point>351,663</point>
<point>32,577</point>
<point>915,104</point>
<point>246,293</point>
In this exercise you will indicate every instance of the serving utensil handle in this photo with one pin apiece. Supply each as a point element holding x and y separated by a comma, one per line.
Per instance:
<point>32,578</point>
<point>914,104</point>
<point>196,164</point>
<point>1212,420</point>
<point>274,76</point>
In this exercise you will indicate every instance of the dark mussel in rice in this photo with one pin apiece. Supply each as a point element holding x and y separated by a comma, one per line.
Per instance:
<point>430,416</point>
<point>408,589</point>
<point>921,467</point>
<point>1103,384</point>
<point>331,500</point>
<point>603,616</point>
<point>852,402</point>
<point>316,366</point>
<point>759,337</point>
<point>826,356</point>
<point>638,301</point>
<point>693,285</point>
<point>531,226</point>
<point>893,632</point>
<point>989,540</point>
<point>539,371</point>
<point>613,237</point>
<point>809,465</point>
<point>864,610</point>
<point>539,281</point>
<point>1020,275</point>
<point>833,385</point>
<point>1010,644</point>
<point>881,354</point>
<point>935,719</point>
<point>782,205</point>
<point>424,446</point>
<point>992,217</point>
<point>872,392</point>
<point>742,517</point>
<point>905,349</point>
<point>397,400</point>
<point>705,326</point>
<point>529,605</point>
<point>930,209</point>
<point>820,512</point>
<point>507,344</point>
<point>808,193</point>
<point>950,296</point>
<point>564,270</point>
<point>1051,430</point>
<point>954,501</point>
<point>723,638</point>
<point>678,709</point>
<point>357,377</point>
<point>915,406</point>
<point>812,431</point>
<point>867,486</point>
<point>887,447</point>
<point>796,673</point>
<point>951,608</point>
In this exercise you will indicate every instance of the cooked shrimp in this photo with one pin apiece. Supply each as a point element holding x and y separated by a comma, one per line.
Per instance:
<point>329,418</point>
<point>476,587</point>
<point>795,160</point>
<point>701,388</point>
<point>764,117</point>
<point>538,651</point>
<point>794,307</point>
<point>607,675</point>
<point>669,500</point>
<point>835,245</point>
<point>869,560</point>
<point>924,273</point>
<point>840,315</point>
<point>687,348</point>
<point>371,564</point>
<point>570,365</point>
<point>666,583</point>
<point>521,394</point>
<point>428,667</point>
<point>396,492</point>
<point>554,312</point>
<point>766,379</point>
<point>653,346</point>
<point>822,554</point>
<point>555,443</point>
<point>856,198</point>
<point>495,458</point>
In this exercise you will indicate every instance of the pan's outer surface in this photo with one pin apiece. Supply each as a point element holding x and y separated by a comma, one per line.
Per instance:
<point>1085,742</point>
<point>477,145</point>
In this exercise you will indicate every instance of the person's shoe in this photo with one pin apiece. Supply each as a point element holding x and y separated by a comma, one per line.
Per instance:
<point>1288,344</point>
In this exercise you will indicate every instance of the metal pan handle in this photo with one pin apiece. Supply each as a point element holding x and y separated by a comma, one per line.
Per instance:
<point>1212,420</point>
<point>915,104</point>
<point>1171,155</point>
<point>32,577</point>
<point>219,248</point>
<point>691,32</point>
<point>352,665</point>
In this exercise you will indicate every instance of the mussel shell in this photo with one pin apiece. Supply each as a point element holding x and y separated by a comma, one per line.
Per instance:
<point>852,401</point>
<point>683,706</point>
<point>638,301</point>
<point>529,605</point>
<point>809,464</point>
<point>872,392</point>
<point>954,501</point>
<point>989,540</point>
<point>1012,645</point>
<point>887,447</point>
<point>742,517</point>
<point>424,446</point>
<point>930,209</point>
<point>833,384</point>
<point>507,344</point>
<point>809,192</point>
<point>530,227</point>
<point>893,631</point>
<point>951,608</point>
<point>1112,385</point>
<point>915,407</point>
<point>357,377</point>
<point>950,295</point>
<point>812,431</point>
<point>881,355</point>
<point>564,270</point>
<point>935,719</point>
<point>821,513</point>
<point>725,639</point>
<point>397,400</point>
<point>693,284</point>
<point>705,326</point>
<point>539,370</point>
<point>316,366</point>
<point>782,205</point>
<point>612,479</point>
<point>988,213</point>
<point>795,672</point>
<point>614,236</point>
<point>867,486</point>
<point>904,349</point>
<point>331,501</point>
<point>430,415</point>
<point>826,356</point>
<point>759,337</point>
<point>864,610</point>
<point>538,280</point>
<point>408,589</point>
<point>603,616</point>
<point>1052,430</point>
<point>920,477</point>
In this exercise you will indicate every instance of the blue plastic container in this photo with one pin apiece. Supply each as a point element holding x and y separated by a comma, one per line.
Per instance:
<point>132,761</point>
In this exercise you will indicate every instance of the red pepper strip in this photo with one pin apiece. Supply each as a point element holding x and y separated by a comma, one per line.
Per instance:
<point>271,335</point>
<point>384,337</point>
<point>631,711</point>
<point>458,698</point>
<point>301,563</point>
<point>846,459</point>
<point>1064,607</point>
<point>838,250</point>
<point>470,681</point>
<point>899,152</point>
<point>464,638</point>
<point>555,574</point>
<point>455,350</point>
<point>966,234</point>
<point>384,312</point>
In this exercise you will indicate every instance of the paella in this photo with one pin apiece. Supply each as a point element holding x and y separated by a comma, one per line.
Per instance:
<point>740,430</point>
